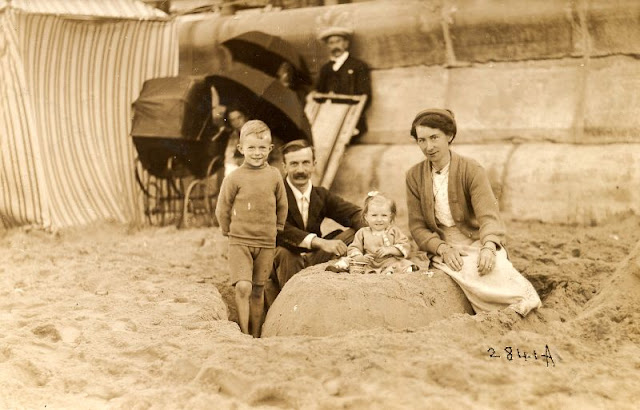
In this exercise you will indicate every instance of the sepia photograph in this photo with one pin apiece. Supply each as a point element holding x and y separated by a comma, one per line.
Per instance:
<point>319,204</point>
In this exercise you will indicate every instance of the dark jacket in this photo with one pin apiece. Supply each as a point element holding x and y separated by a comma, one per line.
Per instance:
<point>323,204</point>
<point>352,78</point>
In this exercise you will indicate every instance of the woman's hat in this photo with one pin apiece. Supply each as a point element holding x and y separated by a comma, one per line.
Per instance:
<point>438,111</point>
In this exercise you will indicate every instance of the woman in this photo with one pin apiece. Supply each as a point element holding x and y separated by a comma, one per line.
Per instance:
<point>454,217</point>
<point>235,119</point>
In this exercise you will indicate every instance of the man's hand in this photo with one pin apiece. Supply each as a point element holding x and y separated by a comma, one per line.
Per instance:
<point>333,246</point>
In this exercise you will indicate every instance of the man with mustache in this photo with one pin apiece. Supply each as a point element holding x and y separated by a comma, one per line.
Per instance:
<point>344,74</point>
<point>301,244</point>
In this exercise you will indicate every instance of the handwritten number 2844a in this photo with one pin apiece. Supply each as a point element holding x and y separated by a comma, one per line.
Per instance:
<point>510,355</point>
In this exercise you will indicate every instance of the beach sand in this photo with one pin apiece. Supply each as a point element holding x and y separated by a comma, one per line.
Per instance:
<point>108,316</point>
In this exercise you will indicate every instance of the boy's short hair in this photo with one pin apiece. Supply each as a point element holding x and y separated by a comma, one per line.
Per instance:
<point>297,145</point>
<point>255,127</point>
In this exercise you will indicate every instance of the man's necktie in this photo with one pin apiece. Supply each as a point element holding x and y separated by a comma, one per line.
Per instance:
<point>304,210</point>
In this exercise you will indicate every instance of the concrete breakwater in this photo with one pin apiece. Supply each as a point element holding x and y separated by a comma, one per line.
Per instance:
<point>547,98</point>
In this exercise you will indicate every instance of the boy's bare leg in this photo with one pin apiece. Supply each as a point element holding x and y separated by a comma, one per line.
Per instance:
<point>257,309</point>
<point>243,295</point>
<point>271,290</point>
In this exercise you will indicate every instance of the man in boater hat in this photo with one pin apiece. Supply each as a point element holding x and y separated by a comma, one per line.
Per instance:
<point>344,74</point>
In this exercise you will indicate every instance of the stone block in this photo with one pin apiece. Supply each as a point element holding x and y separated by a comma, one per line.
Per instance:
<point>582,184</point>
<point>398,34</point>
<point>319,303</point>
<point>613,27</point>
<point>518,101</point>
<point>386,34</point>
<point>492,31</point>
<point>556,183</point>
<point>398,95</point>
<point>612,101</point>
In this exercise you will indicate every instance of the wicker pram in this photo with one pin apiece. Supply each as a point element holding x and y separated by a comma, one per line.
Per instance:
<point>180,149</point>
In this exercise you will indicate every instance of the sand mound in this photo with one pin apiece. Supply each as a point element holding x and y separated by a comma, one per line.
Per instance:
<point>112,317</point>
<point>319,303</point>
<point>612,315</point>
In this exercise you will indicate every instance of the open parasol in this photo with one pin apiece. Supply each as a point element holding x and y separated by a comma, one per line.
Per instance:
<point>266,52</point>
<point>263,98</point>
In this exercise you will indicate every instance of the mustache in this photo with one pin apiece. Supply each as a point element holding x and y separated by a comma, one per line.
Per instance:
<point>300,174</point>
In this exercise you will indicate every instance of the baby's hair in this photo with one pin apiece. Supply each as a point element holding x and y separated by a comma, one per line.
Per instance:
<point>257,128</point>
<point>377,197</point>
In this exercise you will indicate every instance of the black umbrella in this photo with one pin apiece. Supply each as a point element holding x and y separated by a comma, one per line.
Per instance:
<point>266,52</point>
<point>263,98</point>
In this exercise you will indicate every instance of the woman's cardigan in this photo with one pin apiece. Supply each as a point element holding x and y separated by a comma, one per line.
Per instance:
<point>473,205</point>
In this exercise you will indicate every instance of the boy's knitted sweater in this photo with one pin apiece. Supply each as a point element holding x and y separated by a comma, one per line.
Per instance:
<point>252,206</point>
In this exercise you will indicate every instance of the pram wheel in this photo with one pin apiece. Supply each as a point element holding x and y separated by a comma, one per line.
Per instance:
<point>154,195</point>
<point>200,197</point>
<point>153,204</point>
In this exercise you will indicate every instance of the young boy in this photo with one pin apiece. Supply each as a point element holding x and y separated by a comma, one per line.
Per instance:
<point>252,207</point>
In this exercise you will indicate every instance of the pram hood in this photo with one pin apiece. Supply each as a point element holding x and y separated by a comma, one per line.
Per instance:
<point>172,107</point>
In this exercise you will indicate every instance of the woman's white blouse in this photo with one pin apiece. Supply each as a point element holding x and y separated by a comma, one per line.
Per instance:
<point>441,196</point>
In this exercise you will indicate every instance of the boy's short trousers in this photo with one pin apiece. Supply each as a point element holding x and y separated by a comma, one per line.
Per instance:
<point>250,263</point>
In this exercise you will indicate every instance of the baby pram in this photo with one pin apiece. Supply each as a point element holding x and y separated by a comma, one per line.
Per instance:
<point>179,148</point>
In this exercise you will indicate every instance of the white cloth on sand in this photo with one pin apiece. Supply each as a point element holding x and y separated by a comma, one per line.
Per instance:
<point>503,287</point>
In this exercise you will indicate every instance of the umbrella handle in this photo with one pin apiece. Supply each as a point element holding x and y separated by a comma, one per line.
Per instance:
<point>204,126</point>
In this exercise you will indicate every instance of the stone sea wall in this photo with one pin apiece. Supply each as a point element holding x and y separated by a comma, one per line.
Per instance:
<point>546,93</point>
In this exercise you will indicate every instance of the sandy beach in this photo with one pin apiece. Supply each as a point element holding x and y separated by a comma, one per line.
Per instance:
<point>109,316</point>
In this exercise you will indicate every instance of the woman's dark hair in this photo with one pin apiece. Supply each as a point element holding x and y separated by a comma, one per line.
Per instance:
<point>441,119</point>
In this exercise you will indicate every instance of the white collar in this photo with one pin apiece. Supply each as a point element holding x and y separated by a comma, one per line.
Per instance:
<point>297,193</point>
<point>339,61</point>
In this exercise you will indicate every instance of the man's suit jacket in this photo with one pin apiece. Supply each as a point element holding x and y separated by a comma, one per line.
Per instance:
<point>352,78</point>
<point>322,204</point>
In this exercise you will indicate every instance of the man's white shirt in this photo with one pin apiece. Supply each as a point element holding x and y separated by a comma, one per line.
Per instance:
<point>339,61</point>
<point>303,199</point>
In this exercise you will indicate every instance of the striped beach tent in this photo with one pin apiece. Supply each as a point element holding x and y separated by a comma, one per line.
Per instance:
<point>70,71</point>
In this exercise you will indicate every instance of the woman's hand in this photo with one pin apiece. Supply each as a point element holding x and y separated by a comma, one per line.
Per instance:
<point>452,257</point>
<point>486,259</point>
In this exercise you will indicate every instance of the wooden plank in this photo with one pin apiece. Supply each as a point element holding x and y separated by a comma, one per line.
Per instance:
<point>333,118</point>
<point>344,137</point>
<point>325,129</point>
<point>311,109</point>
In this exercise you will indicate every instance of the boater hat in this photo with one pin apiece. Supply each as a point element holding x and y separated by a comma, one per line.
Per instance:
<point>335,31</point>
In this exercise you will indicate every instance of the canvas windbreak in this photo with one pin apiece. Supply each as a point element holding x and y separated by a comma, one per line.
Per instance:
<point>90,8</point>
<point>65,98</point>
